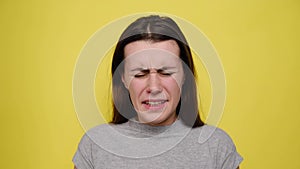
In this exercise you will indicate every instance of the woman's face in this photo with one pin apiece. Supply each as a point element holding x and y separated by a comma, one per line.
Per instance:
<point>153,74</point>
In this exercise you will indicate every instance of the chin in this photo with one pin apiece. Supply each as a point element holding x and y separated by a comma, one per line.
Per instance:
<point>153,119</point>
<point>161,119</point>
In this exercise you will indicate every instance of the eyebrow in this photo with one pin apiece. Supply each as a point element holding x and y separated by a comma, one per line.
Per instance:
<point>143,69</point>
<point>138,69</point>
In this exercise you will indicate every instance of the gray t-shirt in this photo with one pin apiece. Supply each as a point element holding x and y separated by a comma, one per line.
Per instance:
<point>135,145</point>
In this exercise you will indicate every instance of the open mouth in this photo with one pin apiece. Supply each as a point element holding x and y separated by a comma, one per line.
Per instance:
<point>154,104</point>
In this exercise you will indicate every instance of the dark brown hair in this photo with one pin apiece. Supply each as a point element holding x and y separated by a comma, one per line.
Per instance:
<point>155,28</point>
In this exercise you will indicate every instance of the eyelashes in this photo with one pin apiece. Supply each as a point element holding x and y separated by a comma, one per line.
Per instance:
<point>144,73</point>
<point>139,75</point>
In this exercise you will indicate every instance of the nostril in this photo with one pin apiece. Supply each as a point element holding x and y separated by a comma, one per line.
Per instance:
<point>154,89</point>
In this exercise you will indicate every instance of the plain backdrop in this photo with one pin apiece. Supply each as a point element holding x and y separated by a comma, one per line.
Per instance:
<point>257,41</point>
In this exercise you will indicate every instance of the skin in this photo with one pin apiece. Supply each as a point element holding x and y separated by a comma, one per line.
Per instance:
<point>153,75</point>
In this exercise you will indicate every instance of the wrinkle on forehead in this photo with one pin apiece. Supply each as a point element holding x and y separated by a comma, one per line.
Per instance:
<point>136,46</point>
<point>152,58</point>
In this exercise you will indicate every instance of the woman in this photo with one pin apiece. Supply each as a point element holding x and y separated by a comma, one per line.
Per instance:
<point>156,123</point>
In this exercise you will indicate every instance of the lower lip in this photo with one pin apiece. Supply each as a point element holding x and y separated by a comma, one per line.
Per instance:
<point>155,107</point>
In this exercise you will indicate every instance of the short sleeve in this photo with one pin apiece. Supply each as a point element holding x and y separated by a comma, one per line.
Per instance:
<point>83,156</point>
<point>232,161</point>
<point>227,155</point>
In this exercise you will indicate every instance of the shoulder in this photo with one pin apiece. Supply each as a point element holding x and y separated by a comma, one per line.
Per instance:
<point>215,139</point>
<point>102,133</point>
<point>221,146</point>
<point>212,134</point>
<point>89,146</point>
<point>98,131</point>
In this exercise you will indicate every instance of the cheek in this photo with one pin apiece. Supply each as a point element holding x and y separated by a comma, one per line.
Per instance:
<point>173,87</point>
<point>136,87</point>
<point>179,79</point>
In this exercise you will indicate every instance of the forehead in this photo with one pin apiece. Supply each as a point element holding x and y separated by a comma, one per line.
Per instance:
<point>136,46</point>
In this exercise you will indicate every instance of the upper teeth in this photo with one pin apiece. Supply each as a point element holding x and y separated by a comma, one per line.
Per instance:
<point>155,103</point>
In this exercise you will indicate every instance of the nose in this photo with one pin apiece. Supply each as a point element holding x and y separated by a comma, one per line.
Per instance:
<point>154,83</point>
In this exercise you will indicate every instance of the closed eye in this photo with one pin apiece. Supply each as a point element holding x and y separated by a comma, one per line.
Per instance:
<point>165,73</point>
<point>142,73</point>
<point>139,75</point>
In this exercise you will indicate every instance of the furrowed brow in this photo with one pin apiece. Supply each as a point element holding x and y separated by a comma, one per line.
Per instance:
<point>137,69</point>
<point>145,70</point>
<point>140,69</point>
<point>167,68</point>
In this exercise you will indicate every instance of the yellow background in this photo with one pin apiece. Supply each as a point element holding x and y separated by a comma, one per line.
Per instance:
<point>257,41</point>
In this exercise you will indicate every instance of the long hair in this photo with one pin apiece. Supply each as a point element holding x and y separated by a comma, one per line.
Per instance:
<point>155,28</point>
